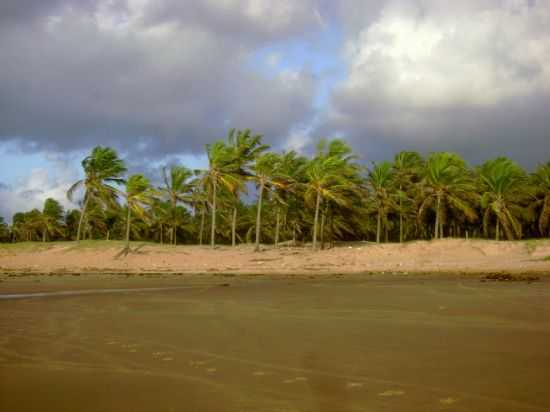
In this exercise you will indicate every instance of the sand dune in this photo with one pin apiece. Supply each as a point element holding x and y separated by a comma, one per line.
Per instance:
<point>446,255</point>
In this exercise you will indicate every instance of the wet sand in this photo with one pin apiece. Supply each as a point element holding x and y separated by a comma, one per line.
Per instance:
<point>213,343</point>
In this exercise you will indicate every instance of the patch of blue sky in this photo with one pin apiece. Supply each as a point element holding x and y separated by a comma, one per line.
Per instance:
<point>16,164</point>
<point>319,53</point>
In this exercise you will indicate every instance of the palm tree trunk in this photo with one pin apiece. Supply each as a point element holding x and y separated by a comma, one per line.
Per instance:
<point>203,214</point>
<point>323,218</point>
<point>277,225</point>
<point>213,228</point>
<point>497,234</point>
<point>44,236</point>
<point>436,229</point>
<point>234,228</point>
<point>331,230</point>
<point>400,215</point>
<point>259,218</point>
<point>161,234</point>
<point>81,220</point>
<point>378,226</point>
<point>108,234</point>
<point>317,206</point>
<point>128,228</point>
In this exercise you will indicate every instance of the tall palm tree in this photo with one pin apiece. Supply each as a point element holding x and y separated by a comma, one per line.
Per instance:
<point>330,175</point>
<point>267,174</point>
<point>177,188</point>
<point>502,183</point>
<point>223,172</point>
<point>540,180</point>
<point>246,148</point>
<point>103,169</point>
<point>381,182</point>
<point>139,194</point>
<point>407,167</point>
<point>290,167</point>
<point>449,185</point>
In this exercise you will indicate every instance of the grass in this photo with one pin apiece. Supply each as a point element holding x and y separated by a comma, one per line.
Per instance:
<point>546,259</point>
<point>69,245</point>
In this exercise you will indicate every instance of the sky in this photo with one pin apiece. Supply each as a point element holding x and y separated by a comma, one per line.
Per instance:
<point>159,79</point>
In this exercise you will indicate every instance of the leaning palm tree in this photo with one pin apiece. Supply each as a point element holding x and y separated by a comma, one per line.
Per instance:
<point>381,182</point>
<point>540,180</point>
<point>102,168</point>
<point>223,172</point>
<point>139,194</point>
<point>330,176</point>
<point>407,167</point>
<point>447,184</point>
<point>502,183</point>
<point>177,188</point>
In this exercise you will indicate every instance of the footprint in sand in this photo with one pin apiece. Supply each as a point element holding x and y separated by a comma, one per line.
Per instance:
<point>447,401</point>
<point>354,385</point>
<point>391,393</point>
<point>296,379</point>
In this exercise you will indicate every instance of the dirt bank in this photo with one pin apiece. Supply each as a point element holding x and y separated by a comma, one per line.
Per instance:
<point>443,256</point>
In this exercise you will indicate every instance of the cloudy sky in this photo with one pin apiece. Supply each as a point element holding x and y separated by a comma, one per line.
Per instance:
<point>158,79</point>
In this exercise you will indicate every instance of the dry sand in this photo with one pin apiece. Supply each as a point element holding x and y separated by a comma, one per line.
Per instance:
<point>443,256</point>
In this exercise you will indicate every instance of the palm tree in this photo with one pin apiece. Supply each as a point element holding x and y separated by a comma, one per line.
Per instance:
<point>223,172</point>
<point>246,148</point>
<point>447,183</point>
<point>102,169</point>
<point>381,183</point>
<point>267,174</point>
<point>407,167</point>
<point>331,175</point>
<point>50,220</point>
<point>540,180</point>
<point>502,183</point>
<point>138,195</point>
<point>177,188</point>
<point>4,230</point>
<point>290,167</point>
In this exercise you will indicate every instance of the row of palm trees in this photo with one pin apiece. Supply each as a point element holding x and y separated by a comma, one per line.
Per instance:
<point>326,197</point>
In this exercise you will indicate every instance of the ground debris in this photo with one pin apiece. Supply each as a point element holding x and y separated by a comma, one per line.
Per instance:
<point>508,277</point>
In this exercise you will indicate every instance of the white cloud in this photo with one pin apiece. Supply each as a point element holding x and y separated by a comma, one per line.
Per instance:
<point>419,57</point>
<point>30,192</point>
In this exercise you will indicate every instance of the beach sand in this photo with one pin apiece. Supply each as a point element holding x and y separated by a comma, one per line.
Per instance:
<point>442,256</point>
<point>274,343</point>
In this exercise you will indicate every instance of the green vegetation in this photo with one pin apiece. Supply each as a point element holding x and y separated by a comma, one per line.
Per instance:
<point>250,194</point>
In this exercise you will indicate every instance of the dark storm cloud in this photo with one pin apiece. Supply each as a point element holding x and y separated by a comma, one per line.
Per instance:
<point>164,77</point>
<point>116,75</point>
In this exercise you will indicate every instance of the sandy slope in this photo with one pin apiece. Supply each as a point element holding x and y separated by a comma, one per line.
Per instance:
<point>447,255</point>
